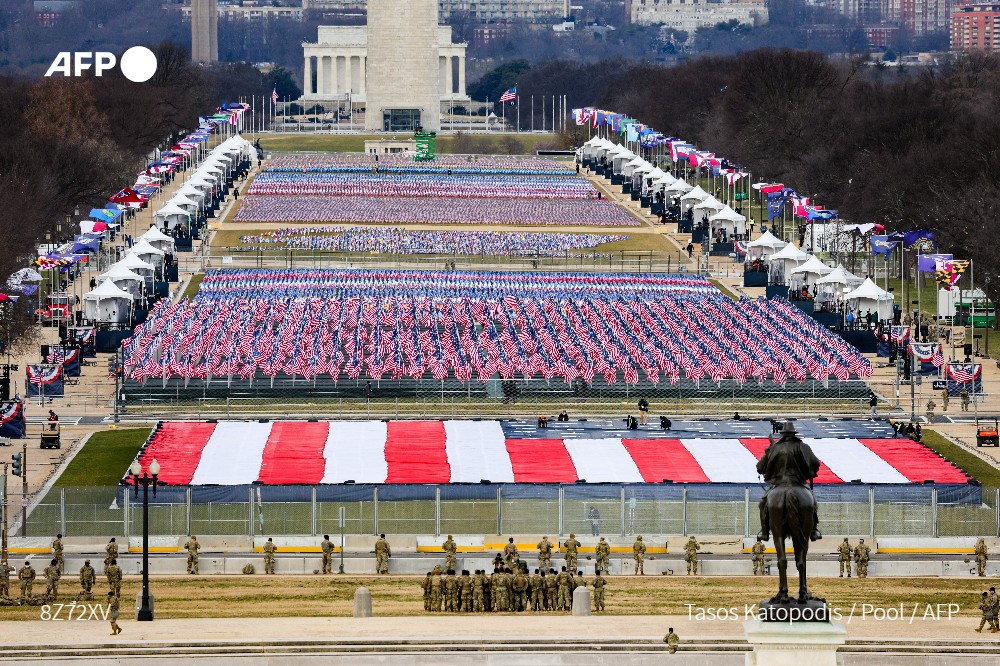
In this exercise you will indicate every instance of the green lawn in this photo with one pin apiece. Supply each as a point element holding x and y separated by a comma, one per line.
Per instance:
<point>984,472</point>
<point>104,458</point>
<point>193,285</point>
<point>355,143</point>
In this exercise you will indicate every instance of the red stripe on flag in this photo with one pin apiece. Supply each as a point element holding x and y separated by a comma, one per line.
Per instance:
<point>177,446</point>
<point>294,453</point>
<point>915,461</point>
<point>415,452</point>
<point>659,459</point>
<point>757,445</point>
<point>540,461</point>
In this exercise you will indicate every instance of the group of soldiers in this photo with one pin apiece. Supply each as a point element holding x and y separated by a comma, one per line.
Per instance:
<point>862,553</point>
<point>53,574</point>
<point>507,590</point>
<point>990,607</point>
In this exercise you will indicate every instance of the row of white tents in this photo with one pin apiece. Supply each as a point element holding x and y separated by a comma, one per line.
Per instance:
<point>833,285</point>
<point>195,195</point>
<point>127,280</point>
<point>650,180</point>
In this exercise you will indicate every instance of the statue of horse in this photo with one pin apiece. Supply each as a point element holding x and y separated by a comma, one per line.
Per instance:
<point>788,508</point>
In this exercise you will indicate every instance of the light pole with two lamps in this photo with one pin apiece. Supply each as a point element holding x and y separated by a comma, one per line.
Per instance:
<point>145,613</point>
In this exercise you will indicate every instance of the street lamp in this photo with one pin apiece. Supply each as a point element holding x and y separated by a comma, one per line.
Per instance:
<point>145,613</point>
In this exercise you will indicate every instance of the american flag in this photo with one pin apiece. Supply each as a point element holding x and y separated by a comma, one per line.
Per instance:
<point>274,95</point>
<point>509,96</point>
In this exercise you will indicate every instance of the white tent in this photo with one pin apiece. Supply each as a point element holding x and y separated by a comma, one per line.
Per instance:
<point>192,193</point>
<point>869,296</point>
<point>840,276</point>
<point>679,187</point>
<point>187,204</point>
<point>728,219</point>
<point>124,278</point>
<point>767,241</point>
<point>159,240</point>
<point>784,260</point>
<point>696,194</point>
<point>134,263</point>
<point>171,215</point>
<point>705,209</point>
<point>812,267</point>
<point>629,168</point>
<point>145,251</point>
<point>107,303</point>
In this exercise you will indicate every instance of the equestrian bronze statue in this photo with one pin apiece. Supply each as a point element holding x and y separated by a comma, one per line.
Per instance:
<point>788,508</point>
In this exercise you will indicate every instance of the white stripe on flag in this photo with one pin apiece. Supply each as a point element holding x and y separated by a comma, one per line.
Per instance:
<point>723,460</point>
<point>233,455</point>
<point>850,459</point>
<point>355,450</point>
<point>476,451</point>
<point>602,461</point>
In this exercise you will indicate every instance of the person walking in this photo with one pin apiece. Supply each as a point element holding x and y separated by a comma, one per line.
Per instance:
<point>114,608</point>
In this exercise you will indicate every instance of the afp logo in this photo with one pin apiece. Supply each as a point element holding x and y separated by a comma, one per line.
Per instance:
<point>138,64</point>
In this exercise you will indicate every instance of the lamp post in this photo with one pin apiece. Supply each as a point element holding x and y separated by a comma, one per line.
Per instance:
<point>145,613</point>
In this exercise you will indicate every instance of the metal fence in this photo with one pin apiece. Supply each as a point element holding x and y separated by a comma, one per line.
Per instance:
<point>478,509</point>
<point>387,398</point>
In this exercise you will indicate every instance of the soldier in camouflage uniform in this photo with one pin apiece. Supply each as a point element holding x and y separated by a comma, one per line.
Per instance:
<point>27,577</point>
<point>639,553</point>
<point>495,591</point>
<point>88,577</point>
<point>572,547</point>
<point>477,592</point>
<point>484,582</point>
<point>436,591</point>
<point>691,549</point>
<point>510,603</point>
<point>861,555</point>
<point>114,607</point>
<point>845,551</point>
<point>510,554</point>
<point>57,552</point>
<point>551,590</point>
<point>982,554</point>
<point>52,576</point>
<point>450,592</point>
<point>450,553</point>
<point>520,587</point>
<point>327,547</point>
<point>114,574</point>
<point>564,580</point>
<point>426,587</point>
<point>382,555</point>
<point>599,583</point>
<point>603,555</point>
<point>110,553</point>
<point>672,640</point>
<point>5,571</point>
<point>544,553</point>
<point>465,584</point>
<point>269,550</point>
<point>537,601</point>
<point>192,547</point>
<point>757,556</point>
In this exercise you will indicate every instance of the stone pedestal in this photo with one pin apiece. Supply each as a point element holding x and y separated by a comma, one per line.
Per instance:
<point>362,602</point>
<point>794,643</point>
<point>138,603</point>
<point>581,601</point>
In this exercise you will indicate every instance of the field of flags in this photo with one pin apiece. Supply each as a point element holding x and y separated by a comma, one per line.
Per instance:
<point>502,165</point>
<point>392,210</point>
<point>451,189</point>
<point>393,240</point>
<point>479,325</point>
<point>422,185</point>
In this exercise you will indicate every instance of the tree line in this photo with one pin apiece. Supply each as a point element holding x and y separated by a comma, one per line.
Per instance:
<point>905,147</point>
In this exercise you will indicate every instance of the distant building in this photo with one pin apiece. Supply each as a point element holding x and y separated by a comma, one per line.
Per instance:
<point>487,34</point>
<point>976,28</point>
<point>689,15</point>
<point>47,11</point>
<point>251,10</point>
<point>919,17</point>
<point>485,11</point>
<point>881,35</point>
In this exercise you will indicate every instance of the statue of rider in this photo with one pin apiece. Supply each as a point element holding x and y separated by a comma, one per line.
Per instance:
<point>788,461</point>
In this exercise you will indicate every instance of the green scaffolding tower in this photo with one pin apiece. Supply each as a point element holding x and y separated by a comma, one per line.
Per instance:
<point>426,146</point>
